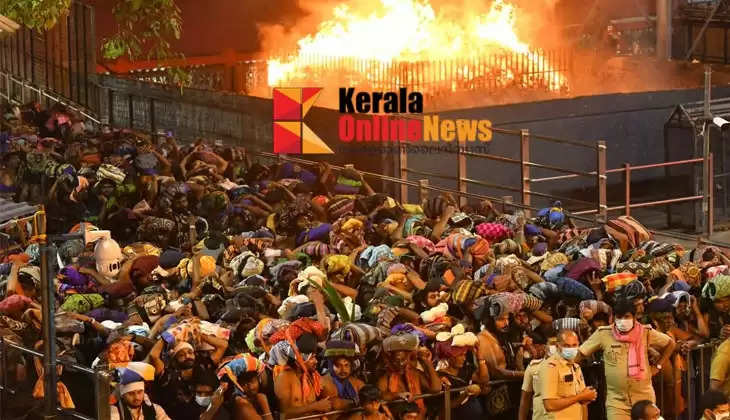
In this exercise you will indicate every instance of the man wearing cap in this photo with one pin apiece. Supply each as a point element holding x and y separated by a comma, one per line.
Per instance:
<point>339,383</point>
<point>625,346</point>
<point>133,403</point>
<point>403,379</point>
<point>563,389</point>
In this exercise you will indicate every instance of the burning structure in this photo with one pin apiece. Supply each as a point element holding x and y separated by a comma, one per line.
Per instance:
<point>408,43</point>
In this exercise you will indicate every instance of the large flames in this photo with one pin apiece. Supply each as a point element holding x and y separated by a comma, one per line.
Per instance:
<point>408,43</point>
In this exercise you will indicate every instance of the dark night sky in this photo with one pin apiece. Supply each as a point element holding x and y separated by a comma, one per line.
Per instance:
<point>210,26</point>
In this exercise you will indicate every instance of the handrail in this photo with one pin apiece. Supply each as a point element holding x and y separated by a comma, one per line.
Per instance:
<point>616,170</point>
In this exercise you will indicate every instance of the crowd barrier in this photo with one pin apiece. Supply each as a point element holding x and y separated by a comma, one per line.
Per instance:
<point>10,388</point>
<point>695,381</point>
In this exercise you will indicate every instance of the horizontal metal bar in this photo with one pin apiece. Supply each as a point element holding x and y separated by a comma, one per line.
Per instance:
<point>663,164</point>
<point>558,197</point>
<point>75,414</point>
<point>490,185</point>
<point>559,169</point>
<point>492,157</point>
<point>564,141</point>
<point>37,354</point>
<point>413,171</point>
<point>657,203</point>
<point>616,170</point>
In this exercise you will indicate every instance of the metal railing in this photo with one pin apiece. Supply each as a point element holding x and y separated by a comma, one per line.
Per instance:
<point>100,383</point>
<point>61,59</point>
<point>526,166</point>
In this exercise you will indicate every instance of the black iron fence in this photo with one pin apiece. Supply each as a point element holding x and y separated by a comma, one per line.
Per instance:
<point>61,59</point>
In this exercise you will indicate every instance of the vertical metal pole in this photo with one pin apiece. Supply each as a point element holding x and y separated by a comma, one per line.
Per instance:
<point>130,104</point>
<point>461,172</point>
<point>525,168</point>
<point>403,172</point>
<point>627,188</point>
<point>423,192</point>
<point>601,179</point>
<point>447,405</point>
<point>706,147</point>
<point>664,29</point>
<point>49,332</point>
<point>710,196</point>
<point>153,123</point>
<point>3,375</point>
<point>102,389</point>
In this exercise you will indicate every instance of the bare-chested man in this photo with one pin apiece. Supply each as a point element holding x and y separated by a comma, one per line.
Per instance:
<point>496,348</point>
<point>340,385</point>
<point>403,380</point>
<point>297,386</point>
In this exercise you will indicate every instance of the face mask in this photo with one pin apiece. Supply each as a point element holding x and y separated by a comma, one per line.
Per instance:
<point>569,353</point>
<point>660,418</point>
<point>552,350</point>
<point>202,401</point>
<point>721,416</point>
<point>624,325</point>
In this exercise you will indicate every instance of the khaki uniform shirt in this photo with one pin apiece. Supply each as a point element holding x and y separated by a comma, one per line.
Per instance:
<point>531,383</point>
<point>720,368</point>
<point>560,378</point>
<point>621,390</point>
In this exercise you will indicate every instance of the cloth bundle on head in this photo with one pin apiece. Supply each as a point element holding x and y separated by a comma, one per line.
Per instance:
<point>688,272</point>
<point>606,258</point>
<point>552,260</point>
<point>110,172</point>
<point>170,258</point>
<point>594,306</point>
<point>582,267</point>
<point>373,254</point>
<point>658,304</point>
<point>311,276</point>
<point>288,305</point>
<point>515,302</point>
<point>716,271</point>
<point>493,232</point>
<point>401,342</point>
<point>207,267</point>
<point>423,242</point>
<point>436,313</point>
<point>614,282</point>
<point>545,290</point>
<point>574,288</point>
<point>246,264</point>
<point>241,363</point>
<point>337,264</point>
<point>717,288</point>
<point>82,303</point>
<point>14,304</point>
<point>359,333</point>
<point>458,337</point>
<point>464,292</point>
<point>566,324</point>
<point>134,375</point>
<point>340,348</point>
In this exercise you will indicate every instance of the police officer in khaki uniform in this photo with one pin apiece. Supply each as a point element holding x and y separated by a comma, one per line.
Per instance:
<point>625,384</point>
<point>531,397</point>
<point>562,387</point>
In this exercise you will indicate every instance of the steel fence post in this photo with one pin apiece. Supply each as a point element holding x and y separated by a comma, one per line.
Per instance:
<point>447,405</point>
<point>601,179</point>
<point>525,168</point>
<point>627,188</point>
<point>102,390</point>
<point>461,172</point>
<point>710,196</point>
<point>403,162</point>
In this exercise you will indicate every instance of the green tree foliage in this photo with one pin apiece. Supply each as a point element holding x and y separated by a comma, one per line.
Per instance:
<point>145,28</point>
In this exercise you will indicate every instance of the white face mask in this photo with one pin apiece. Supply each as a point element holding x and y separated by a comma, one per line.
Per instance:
<point>202,401</point>
<point>720,416</point>
<point>624,325</point>
<point>552,349</point>
<point>569,353</point>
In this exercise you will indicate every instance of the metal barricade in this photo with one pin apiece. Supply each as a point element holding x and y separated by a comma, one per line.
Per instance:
<point>100,383</point>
